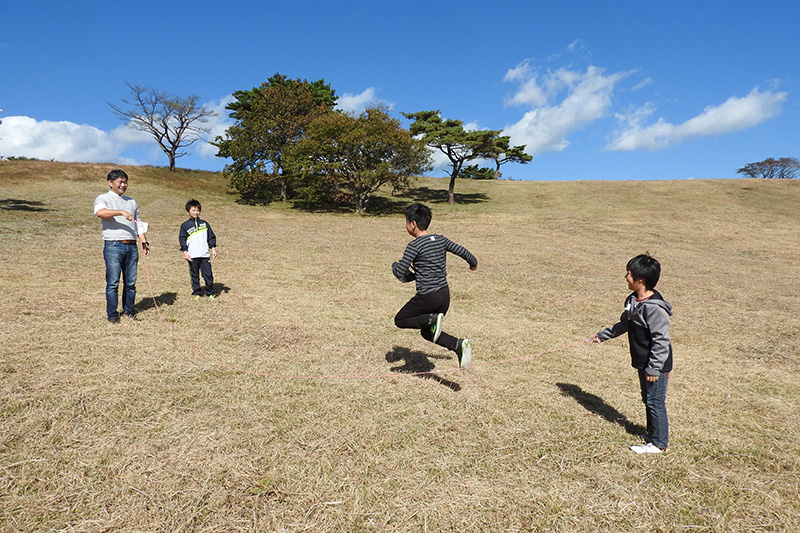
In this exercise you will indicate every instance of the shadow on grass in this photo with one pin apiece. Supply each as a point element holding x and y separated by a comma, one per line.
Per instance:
<point>414,362</point>
<point>12,204</point>
<point>376,206</point>
<point>396,205</point>
<point>169,298</point>
<point>439,196</point>
<point>166,298</point>
<point>220,288</point>
<point>595,404</point>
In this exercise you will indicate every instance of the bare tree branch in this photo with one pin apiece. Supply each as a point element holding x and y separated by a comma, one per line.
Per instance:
<point>174,122</point>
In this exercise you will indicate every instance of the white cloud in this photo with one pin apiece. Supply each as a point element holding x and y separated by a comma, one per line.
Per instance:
<point>22,136</point>
<point>561,102</point>
<point>64,141</point>
<point>473,126</point>
<point>576,45</point>
<point>735,114</point>
<point>642,84</point>
<point>217,125</point>
<point>439,160</point>
<point>357,103</point>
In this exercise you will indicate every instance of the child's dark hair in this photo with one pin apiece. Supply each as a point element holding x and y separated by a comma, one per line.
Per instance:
<point>646,268</point>
<point>193,203</point>
<point>419,213</point>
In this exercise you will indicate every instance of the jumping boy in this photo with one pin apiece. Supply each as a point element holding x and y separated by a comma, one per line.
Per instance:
<point>425,261</point>
<point>198,243</point>
<point>646,319</point>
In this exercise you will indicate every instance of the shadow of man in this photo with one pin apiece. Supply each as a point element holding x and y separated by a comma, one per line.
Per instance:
<point>595,404</point>
<point>419,364</point>
<point>12,204</point>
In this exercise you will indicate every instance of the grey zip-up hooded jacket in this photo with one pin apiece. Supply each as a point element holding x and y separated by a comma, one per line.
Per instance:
<point>647,324</point>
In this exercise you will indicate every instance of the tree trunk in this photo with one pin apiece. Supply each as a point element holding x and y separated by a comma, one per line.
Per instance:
<point>451,191</point>
<point>361,200</point>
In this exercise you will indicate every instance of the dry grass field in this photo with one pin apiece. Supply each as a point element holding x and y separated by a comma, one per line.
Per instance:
<point>290,403</point>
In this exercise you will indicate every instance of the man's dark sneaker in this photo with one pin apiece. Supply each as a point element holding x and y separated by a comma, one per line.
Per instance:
<point>464,353</point>
<point>113,320</point>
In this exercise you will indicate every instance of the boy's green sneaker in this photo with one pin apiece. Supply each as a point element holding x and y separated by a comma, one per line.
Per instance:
<point>464,353</point>
<point>435,323</point>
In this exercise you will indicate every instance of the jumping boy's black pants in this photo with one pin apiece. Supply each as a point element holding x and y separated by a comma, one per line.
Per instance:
<point>417,312</point>
<point>197,266</point>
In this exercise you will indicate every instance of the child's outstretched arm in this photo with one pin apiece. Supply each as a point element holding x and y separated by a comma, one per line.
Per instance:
<point>609,333</point>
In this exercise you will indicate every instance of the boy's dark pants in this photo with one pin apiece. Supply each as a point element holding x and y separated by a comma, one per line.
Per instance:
<point>197,266</point>
<point>416,313</point>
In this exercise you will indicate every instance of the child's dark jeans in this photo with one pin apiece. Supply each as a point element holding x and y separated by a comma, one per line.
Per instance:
<point>654,395</point>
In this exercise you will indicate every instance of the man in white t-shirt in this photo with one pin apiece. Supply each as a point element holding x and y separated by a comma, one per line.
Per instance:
<point>121,224</point>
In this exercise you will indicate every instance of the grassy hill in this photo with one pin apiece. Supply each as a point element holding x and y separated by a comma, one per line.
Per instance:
<point>286,405</point>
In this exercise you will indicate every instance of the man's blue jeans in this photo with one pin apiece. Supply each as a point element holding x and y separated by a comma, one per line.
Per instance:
<point>121,261</point>
<point>654,395</point>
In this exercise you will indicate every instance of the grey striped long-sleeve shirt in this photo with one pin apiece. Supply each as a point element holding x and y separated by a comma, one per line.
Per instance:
<point>425,260</point>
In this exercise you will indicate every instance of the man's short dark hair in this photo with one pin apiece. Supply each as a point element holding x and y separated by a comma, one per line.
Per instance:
<point>193,203</point>
<point>419,213</point>
<point>116,173</point>
<point>646,268</point>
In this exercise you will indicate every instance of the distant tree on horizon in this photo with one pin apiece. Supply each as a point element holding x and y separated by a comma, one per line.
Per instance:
<point>503,153</point>
<point>783,168</point>
<point>449,137</point>
<point>173,121</point>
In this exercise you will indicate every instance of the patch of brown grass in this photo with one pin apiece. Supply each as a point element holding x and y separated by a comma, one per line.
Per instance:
<point>131,428</point>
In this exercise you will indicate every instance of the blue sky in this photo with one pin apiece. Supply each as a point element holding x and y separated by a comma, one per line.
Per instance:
<point>596,90</point>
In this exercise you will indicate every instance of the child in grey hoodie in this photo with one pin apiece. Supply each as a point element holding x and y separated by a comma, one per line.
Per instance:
<point>646,320</point>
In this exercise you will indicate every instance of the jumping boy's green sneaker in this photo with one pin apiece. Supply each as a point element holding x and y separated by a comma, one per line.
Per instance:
<point>464,353</point>
<point>435,323</point>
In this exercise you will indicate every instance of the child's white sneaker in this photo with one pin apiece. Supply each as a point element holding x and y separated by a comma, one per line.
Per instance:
<point>647,448</point>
